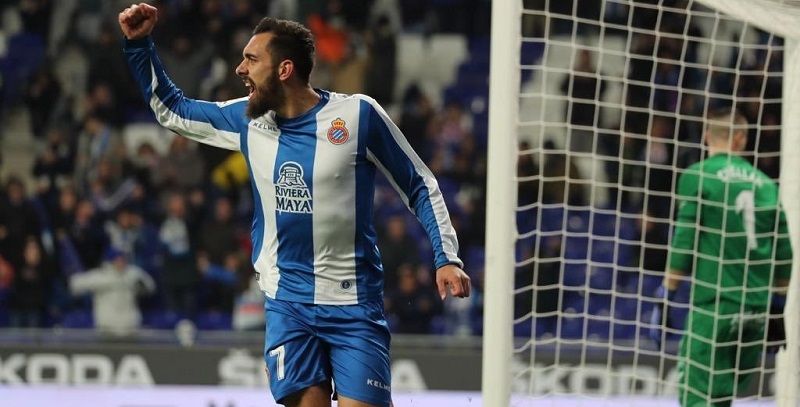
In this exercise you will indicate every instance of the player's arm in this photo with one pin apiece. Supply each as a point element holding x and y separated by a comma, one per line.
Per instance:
<point>776,329</point>
<point>682,245</point>
<point>389,150</point>
<point>216,124</point>
<point>680,259</point>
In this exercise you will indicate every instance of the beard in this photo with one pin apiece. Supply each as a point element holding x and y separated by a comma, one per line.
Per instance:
<point>266,97</point>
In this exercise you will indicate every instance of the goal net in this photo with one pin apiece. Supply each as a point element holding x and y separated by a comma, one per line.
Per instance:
<point>597,108</point>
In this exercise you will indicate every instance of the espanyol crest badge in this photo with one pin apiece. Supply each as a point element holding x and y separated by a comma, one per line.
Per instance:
<point>338,134</point>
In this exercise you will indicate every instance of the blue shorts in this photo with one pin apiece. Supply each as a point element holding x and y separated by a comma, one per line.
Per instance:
<point>309,344</point>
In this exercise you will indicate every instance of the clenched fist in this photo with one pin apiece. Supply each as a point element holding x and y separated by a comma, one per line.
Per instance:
<point>138,20</point>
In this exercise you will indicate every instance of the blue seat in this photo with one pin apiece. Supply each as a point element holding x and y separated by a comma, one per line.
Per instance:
<point>625,308</point>
<point>598,328</point>
<point>523,329</point>
<point>571,327</point>
<point>623,331</point>
<point>213,321</point>
<point>599,303</point>
<point>160,319</point>
<point>574,275</point>
<point>78,319</point>
<point>601,278</point>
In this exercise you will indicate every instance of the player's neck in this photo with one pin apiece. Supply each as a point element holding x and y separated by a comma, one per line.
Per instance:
<point>712,151</point>
<point>298,101</point>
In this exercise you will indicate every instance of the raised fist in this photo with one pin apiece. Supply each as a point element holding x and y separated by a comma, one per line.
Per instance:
<point>138,20</point>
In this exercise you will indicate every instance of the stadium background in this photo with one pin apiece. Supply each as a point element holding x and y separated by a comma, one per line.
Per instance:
<point>84,166</point>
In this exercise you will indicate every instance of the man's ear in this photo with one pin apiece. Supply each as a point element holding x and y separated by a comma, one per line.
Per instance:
<point>285,69</point>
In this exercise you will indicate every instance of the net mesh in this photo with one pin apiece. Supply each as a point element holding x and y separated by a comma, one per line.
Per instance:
<point>612,105</point>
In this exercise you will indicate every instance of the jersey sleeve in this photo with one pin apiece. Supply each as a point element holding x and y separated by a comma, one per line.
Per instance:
<point>685,233</point>
<point>783,249</point>
<point>214,123</point>
<point>389,150</point>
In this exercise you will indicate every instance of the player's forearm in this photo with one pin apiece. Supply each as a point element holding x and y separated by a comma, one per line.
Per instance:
<point>216,124</point>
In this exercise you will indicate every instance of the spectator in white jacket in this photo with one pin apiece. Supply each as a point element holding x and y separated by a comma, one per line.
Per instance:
<point>114,286</point>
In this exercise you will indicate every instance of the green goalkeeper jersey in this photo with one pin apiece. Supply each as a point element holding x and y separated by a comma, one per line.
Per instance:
<point>730,234</point>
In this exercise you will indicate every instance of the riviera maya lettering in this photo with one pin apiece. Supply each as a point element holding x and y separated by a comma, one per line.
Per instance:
<point>291,191</point>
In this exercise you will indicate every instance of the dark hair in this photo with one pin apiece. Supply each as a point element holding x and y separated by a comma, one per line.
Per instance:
<point>292,41</point>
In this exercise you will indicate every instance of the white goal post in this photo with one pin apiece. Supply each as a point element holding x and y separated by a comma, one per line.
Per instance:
<point>519,114</point>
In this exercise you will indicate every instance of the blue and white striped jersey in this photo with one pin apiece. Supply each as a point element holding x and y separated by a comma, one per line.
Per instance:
<point>313,184</point>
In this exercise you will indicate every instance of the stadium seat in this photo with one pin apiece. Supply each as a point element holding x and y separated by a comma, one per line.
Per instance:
<point>598,329</point>
<point>450,50</point>
<point>621,331</point>
<point>136,134</point>
<point>571,327</point>
<point>160,319</point>
<point>213,321</point>
<point>625,308</point>
<point>24,56</point>
<point>599,303</point>
<point>78,319</point>
<point>574,275</point>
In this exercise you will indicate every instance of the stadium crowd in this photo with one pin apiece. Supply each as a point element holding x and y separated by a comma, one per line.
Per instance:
<point>178,211</point>
<point>181,212</point>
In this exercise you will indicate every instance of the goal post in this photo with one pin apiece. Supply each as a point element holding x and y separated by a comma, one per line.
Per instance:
<point>788,362</point>
<point>501,202</point>
<point>601,105</point>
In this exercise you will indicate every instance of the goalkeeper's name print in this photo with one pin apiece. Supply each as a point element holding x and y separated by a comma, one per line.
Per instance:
<point>291,191</point>
<point>731,173</point>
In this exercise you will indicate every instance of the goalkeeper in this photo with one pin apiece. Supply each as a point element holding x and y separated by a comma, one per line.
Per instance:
<point>731,242</point>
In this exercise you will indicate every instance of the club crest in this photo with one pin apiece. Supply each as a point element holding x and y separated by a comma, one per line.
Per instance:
<point>338,134</point>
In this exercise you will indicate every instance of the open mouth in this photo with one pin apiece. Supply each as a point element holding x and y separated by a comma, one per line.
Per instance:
<point>250,87</point>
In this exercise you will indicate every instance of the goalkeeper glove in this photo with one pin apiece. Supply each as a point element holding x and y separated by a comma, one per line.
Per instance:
<point>660,317</point>
<point>776,331</point>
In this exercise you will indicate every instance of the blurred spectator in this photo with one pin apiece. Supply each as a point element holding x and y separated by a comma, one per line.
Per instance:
<point>348,75</point>
<point>109,188</point>
<point>182,167</point>
<point>232,174</point>
<point>114,286</point>
<point>101,101</point>
<point>88,235</point>
<point>179,275</point>
<point>62,215</point>
<point>561,180</point>
<point>187,60</point>
<point>330,33</point>
<point>18,221</point>
<point>220,281</point>
<point>415,120</point>
<point>450,129</point>
<point>124,231</point>
<point>144,165</point>
<point>398,250</point>
<point>218,235</point>
<point>657,168</point>
<point>106,65</point>
<point>584,88</point>
<point>96,142</point>
<point>42,96</point>
<point>413,305</point>
<point>248,312</point>
<point>30,288</point>
<point>56,161</point>
<point>381,68</point>
<point>35,16</point>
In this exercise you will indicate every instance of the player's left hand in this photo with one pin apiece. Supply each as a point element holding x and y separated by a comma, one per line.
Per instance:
<point>452,276</point>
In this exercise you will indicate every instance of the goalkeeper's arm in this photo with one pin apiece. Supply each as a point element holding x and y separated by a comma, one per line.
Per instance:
<point>664,296</point>
<point>776,330</point>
